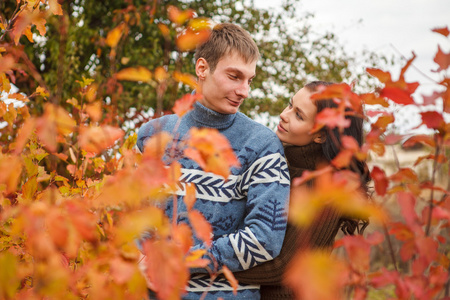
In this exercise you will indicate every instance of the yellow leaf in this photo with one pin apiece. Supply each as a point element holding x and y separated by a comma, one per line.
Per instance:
<point>161,74</point>
<point>39,21</point>
<point>41,91</point>
<point>200,24</point>
<point>189,39</point>
<point>27,32</point>
<point>316,275</point>
<point>179,17</point>
<point>164,30</point>
<point>135,74</point>
<point>10,170</point>
<point>113,37</point>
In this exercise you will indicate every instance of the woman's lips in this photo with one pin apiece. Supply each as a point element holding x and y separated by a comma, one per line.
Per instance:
<point>281,128</point>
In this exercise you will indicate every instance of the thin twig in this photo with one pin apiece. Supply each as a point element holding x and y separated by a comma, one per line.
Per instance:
<point>433,179</point>
<point>391,249</point>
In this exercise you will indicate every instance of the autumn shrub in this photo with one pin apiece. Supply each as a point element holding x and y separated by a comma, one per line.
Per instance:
<point>75,195</point>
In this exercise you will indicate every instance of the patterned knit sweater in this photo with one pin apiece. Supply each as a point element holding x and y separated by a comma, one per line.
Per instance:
<point>248,211</point>
<point>320,234</point>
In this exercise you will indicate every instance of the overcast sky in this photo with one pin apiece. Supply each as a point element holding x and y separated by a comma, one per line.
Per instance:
<point>395,27</point>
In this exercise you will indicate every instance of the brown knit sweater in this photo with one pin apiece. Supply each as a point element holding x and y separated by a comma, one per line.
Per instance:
<point>320,234</point>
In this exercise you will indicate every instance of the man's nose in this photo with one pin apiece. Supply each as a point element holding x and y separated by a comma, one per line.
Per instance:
<point>243,89</point>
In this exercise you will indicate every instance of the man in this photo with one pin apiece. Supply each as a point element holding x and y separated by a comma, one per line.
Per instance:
<point>248,211</point>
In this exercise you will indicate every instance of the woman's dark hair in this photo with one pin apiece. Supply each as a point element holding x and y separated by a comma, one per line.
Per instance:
<point>332,146</point>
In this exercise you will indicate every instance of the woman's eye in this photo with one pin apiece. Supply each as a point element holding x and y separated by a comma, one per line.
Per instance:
<point>299,116</point>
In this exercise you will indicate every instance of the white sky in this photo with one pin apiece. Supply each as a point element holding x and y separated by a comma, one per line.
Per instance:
<point>392,27</point>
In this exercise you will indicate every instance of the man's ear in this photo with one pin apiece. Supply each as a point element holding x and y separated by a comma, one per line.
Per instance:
<point>320,137</point>
<point>201,68</point>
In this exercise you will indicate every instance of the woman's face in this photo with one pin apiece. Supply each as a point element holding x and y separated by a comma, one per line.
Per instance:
<point>297,120</point>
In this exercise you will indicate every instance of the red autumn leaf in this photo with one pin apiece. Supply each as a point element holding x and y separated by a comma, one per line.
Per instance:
<point>421,138</point>
<point>83,219</point>
<point>230,277</point>
<point>407,204</point>
<point>358,249</point>
<point>433,119</point>
<point>340,91</point>
<point>397,95</point>
<point>189,39</point>
<point>384,277</point>
<point>96,139</point>
<point>332,118</point>
<point>185,104</point>
<point>382,76</point>
<point>179,17</point>
<point>442,59</point>
<point>380,180</point>
<point>392,139</point>
<point>444,31</point>
<point>427,248</point>
<point>203,230</point>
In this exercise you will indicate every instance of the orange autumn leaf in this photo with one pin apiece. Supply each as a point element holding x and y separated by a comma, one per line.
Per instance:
<point>340,91</point>
<point>316,275</point>
<point>444,31</point>
<point>135,74</point>
<point>190,197</point>
<point>343,159</point>
<point>55,7</point>
<point>202,228</point>
<point>121,270</point>
<point>384,120</point>
<point>382,76</point>
<point>96,138</point>
<point>55,120</point>
<point>199,23</point>
<point>166,269</point>
<point>10,171</point>
<point>94,110</point>
<point>231,279</point>
<point>420,138</point>
<point>24,134</point>
<point>442,59</point>
<point>155,146</point>
<point>182,234</point>
<point>371,99</point>
<point>211,150</point>
<point>185,104</point>
<point>164,30</point>
<point>161,74</point>
<point>179,17</point>
<point>185,78</point>
<point>189,39</point>
<point>113,36</point>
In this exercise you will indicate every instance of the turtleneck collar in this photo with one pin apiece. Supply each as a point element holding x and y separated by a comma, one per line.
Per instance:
<point>304,157</point>
<point>209,118</point>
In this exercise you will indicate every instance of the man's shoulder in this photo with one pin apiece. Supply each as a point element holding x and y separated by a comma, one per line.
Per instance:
<point>255,127</point>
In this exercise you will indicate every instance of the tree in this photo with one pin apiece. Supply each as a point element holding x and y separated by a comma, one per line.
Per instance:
<point>76,45</point>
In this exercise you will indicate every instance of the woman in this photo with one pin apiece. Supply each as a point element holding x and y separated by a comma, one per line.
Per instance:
<point>305,151</point>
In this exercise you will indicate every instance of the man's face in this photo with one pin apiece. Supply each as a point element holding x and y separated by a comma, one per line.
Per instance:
<point>225,89</point>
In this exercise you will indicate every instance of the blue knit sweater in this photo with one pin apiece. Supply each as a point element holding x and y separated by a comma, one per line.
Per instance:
<point>248,211</point>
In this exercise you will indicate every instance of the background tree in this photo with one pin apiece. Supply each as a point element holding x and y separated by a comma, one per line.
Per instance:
<point>76,45</point>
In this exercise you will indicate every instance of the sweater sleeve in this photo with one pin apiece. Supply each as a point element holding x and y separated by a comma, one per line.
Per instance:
<point>259,239</point>
<point>320,234</point>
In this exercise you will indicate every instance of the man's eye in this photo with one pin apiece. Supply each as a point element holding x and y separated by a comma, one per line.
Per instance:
<point>234,77</point>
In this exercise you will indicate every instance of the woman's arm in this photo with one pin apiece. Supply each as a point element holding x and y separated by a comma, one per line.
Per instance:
<point>320,234</point>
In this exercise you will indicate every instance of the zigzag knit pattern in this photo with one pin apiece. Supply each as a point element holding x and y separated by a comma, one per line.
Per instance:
<point>247,211</point>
